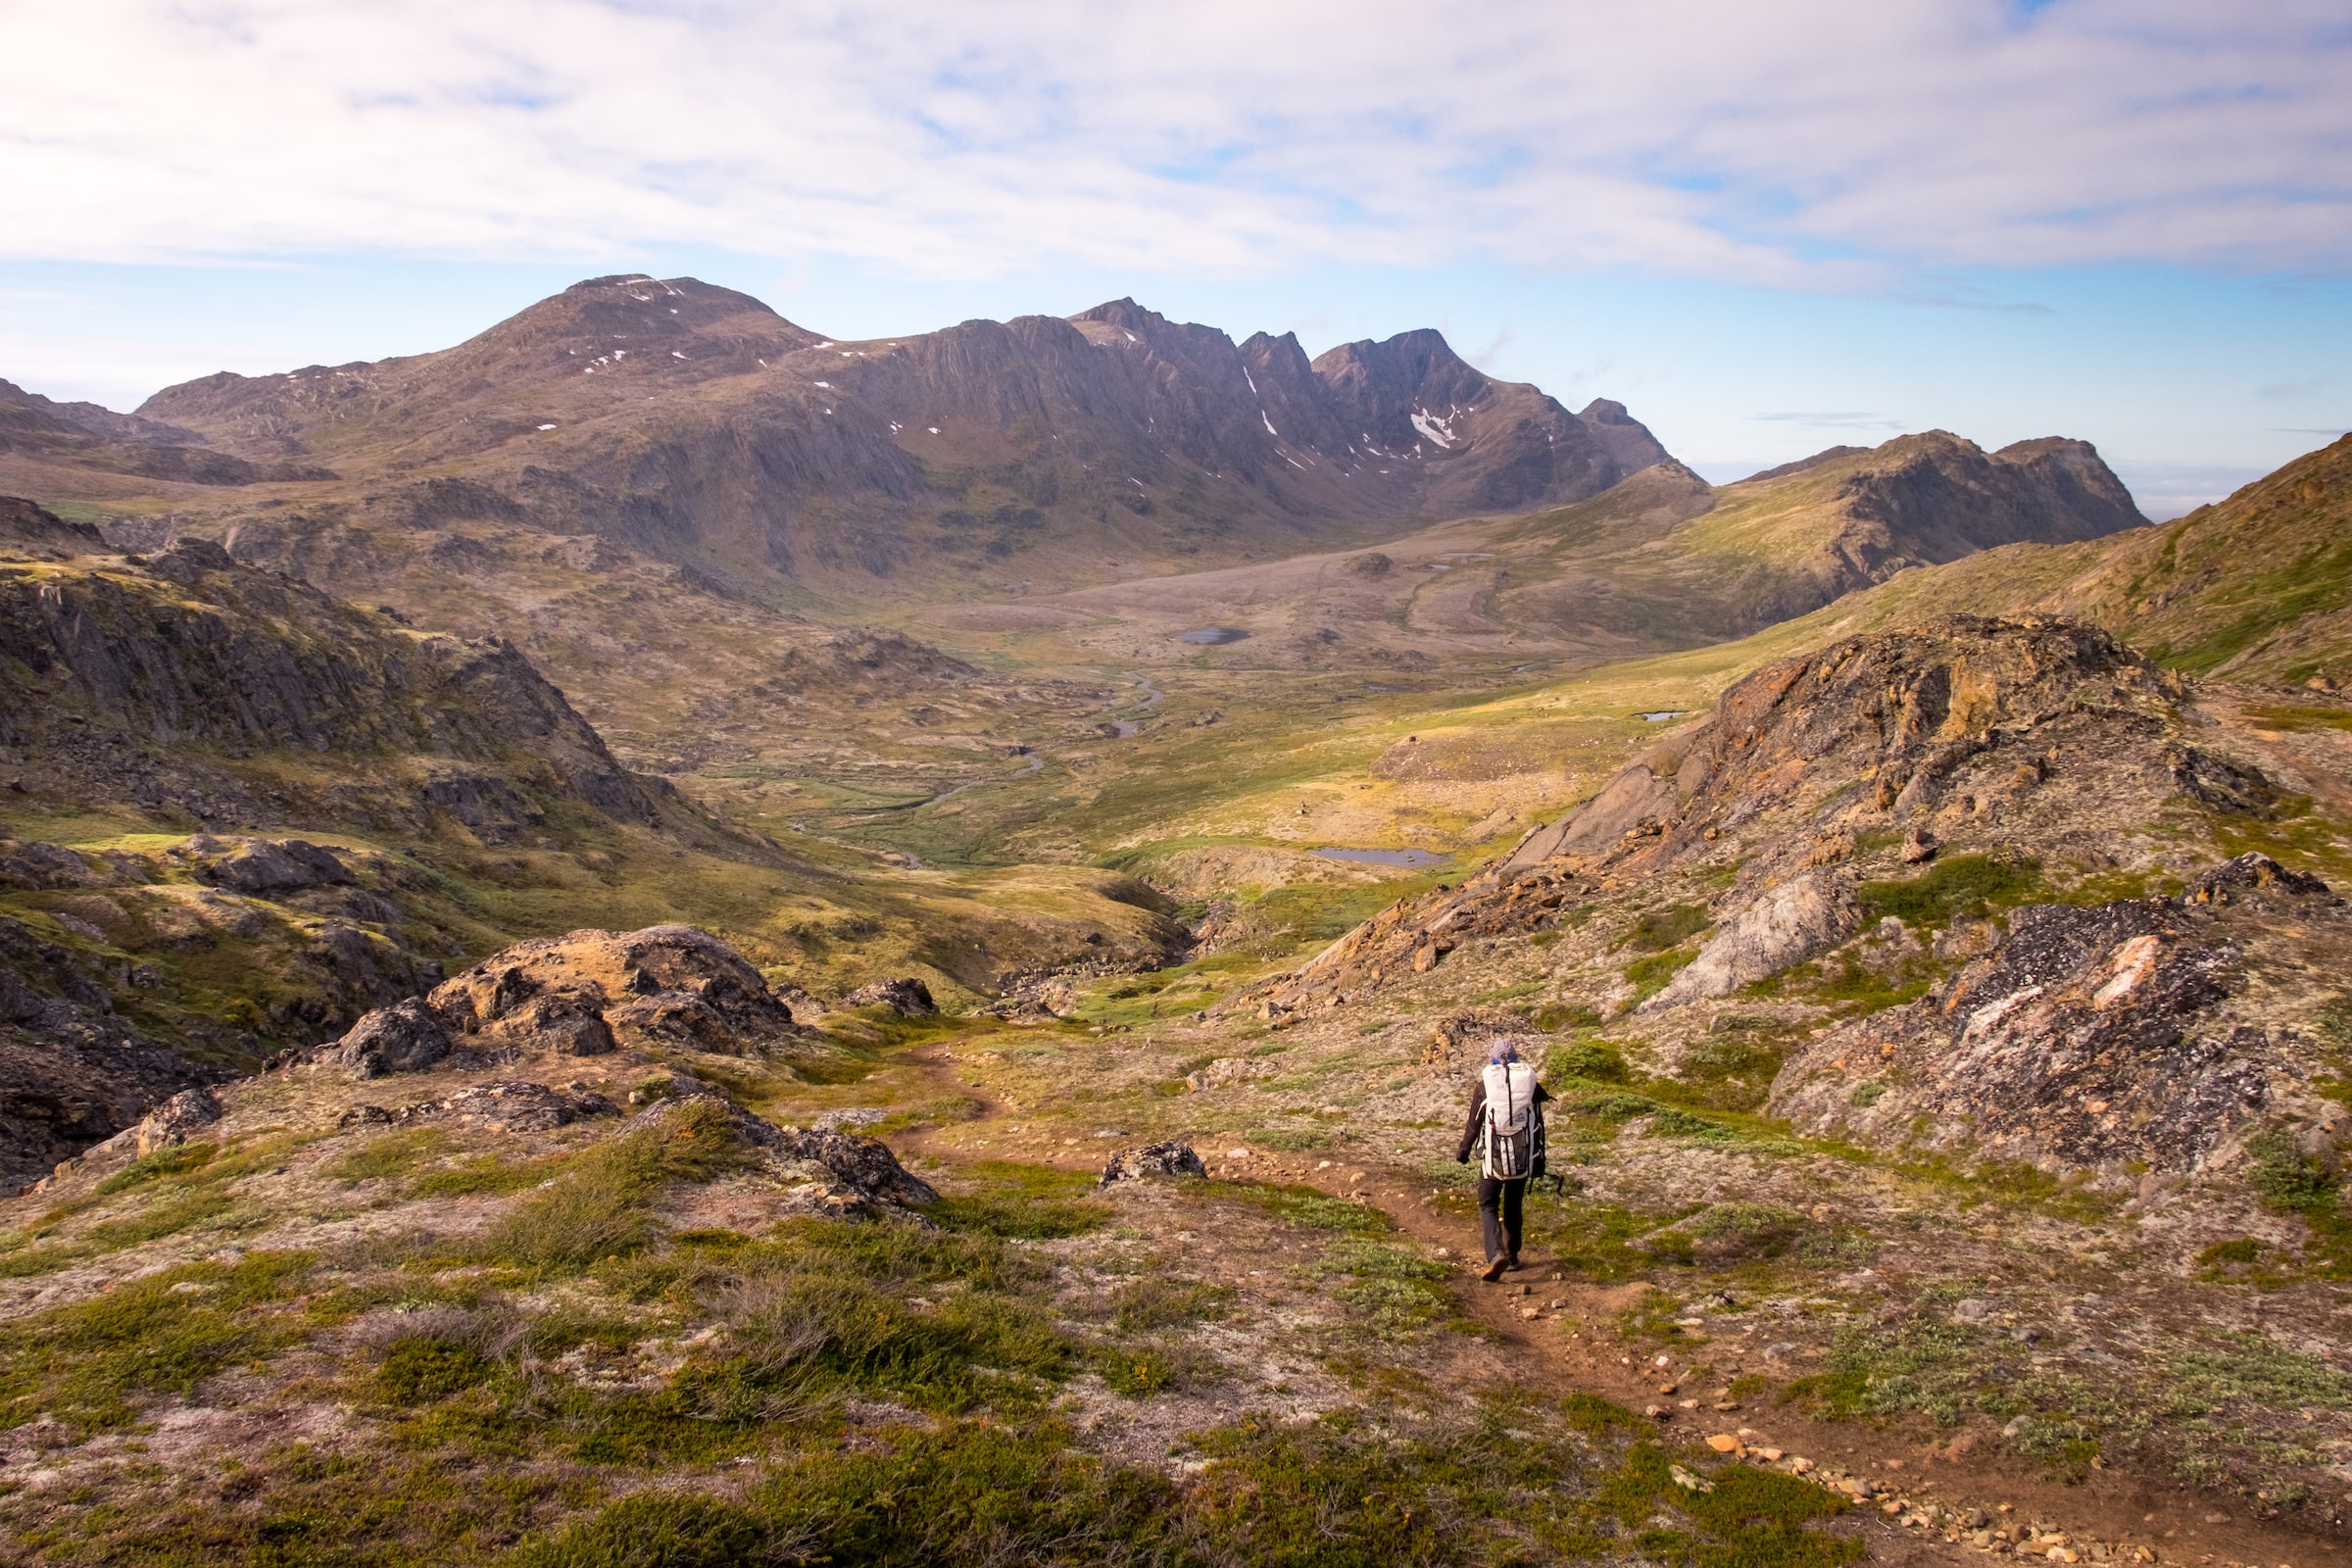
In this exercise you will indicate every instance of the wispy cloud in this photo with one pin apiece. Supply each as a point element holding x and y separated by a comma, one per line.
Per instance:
<point>1814,144</point>
<point>1834,419</point>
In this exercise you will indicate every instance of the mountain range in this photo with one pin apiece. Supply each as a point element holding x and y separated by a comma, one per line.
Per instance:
<point>696,425</point>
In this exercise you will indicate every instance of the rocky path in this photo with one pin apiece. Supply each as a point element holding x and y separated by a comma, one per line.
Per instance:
<point>1924,1502</point>
<point>1560,1325</point>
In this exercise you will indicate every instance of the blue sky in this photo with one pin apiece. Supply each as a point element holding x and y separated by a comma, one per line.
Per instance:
<point>1765,229</point>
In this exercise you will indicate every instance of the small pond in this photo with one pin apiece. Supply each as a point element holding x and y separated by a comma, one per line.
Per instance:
<point>1411,858</point>
<point>1665,713</point>
<point>1211,636</point>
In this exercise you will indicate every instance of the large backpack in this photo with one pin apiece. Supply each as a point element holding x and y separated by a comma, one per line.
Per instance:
<point>1514,1132</point>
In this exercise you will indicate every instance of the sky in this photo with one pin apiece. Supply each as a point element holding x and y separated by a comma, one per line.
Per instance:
<point>1765,228</point>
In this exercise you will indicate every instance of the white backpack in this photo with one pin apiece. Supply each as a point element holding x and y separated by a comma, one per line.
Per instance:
<point>1515,1135</point>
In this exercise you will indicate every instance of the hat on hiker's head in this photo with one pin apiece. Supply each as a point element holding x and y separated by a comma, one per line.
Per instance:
<point>1505,1049</point>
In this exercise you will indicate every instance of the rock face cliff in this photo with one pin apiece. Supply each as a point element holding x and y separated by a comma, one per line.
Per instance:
<point>695,425</point>
<point>151,679</point>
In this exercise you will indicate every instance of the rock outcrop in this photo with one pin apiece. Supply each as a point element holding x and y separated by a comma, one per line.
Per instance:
<point>2113,1039</point>
<point>588,993</point>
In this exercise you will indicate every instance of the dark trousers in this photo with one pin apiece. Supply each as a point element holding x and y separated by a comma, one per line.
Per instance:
<point>1500,1205</point>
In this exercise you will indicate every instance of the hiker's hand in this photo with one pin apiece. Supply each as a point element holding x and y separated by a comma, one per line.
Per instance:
<point>1461,1160</point>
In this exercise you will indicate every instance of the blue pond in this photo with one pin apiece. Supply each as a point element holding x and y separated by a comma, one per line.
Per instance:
<point>1210,636</point>
<point>1412,857</point>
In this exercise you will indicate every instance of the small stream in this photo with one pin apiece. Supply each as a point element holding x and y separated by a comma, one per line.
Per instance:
<point>1416,859</point>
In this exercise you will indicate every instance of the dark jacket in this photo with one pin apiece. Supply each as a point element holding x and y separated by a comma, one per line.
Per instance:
<point>1478,1116</point>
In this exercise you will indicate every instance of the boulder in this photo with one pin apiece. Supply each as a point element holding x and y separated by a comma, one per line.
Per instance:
<point>862,1173</point>
<point>1785,925</point>
<point>907,997</point>
<point>1169,1158</point>
<point>406,1037</point>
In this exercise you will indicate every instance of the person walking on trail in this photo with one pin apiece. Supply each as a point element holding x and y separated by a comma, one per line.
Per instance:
<point>1505,1130</point>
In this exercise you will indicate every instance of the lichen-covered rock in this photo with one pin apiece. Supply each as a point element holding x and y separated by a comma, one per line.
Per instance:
<point>1786,924</point>
<point>907,997</point>
<point>503,1107</point>
<point>1169,1158</point>
<point>860,1173</point>
<point>2114,1038</point>
<point>404,1037</point>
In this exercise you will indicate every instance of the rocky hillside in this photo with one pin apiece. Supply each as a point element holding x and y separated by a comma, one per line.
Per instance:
<point>1987,866</point>
<point>239,814</point>
<point>1727,560</point>
<point>157,680</point>
<point>695,425</point>
<point>2254,587</point>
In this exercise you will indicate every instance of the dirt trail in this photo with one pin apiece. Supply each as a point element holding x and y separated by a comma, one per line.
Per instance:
<point>2109,1505</point>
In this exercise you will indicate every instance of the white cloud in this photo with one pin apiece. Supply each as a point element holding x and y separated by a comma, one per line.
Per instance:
<point>1810,143</point>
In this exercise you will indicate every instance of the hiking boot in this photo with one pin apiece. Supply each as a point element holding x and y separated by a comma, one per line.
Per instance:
<point>1513,1262</point>
<point>1493,1271</point>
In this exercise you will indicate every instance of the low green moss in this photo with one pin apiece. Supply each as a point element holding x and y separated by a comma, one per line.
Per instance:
<point>1954,886</point>
<point>1025,1202</point>
<point>90,1363</point>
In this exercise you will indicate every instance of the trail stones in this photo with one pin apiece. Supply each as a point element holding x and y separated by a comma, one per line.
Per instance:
<point>1169,1158</point>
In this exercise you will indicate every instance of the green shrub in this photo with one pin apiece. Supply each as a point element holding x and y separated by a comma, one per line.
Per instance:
<point>1555,1016</point>
<point>2288,1178</point>
<point>1592,1061</point>
<point>174,1161</point>
<point>84,1363</point>
<point>1659,929</point>
<point>419,1371</point>
<point>656,1529</point>
<point>1958,885</point>
<point>1648,976</point>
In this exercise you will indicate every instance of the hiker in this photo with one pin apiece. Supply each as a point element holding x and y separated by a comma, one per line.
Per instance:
<point>1506,1129</point>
